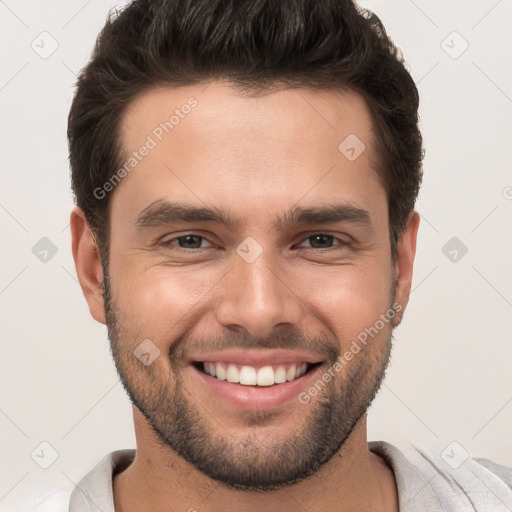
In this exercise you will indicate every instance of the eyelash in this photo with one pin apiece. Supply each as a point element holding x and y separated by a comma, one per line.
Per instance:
<point>169,243</point>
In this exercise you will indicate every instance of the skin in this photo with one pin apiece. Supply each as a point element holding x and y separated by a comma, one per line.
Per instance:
<point>256,156</point>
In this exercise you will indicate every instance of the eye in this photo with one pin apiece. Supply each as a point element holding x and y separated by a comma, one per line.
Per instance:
<point>323,241</point>
<point>191,241</point>
<point>188,241</point>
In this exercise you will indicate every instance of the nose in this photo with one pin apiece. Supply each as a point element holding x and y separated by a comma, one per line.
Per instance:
<point>257,297</point>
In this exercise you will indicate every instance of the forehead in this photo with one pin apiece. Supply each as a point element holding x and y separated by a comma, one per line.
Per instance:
<point>211,143</point>
<point>219,109</point>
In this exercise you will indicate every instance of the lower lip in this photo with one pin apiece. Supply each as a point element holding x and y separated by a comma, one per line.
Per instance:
<point>257,397</point>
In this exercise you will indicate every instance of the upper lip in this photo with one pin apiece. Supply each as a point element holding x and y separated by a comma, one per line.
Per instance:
<point>256,357</point>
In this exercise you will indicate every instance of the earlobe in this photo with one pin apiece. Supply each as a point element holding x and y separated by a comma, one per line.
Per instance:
<point>403,267</point>
<point>87,264</point>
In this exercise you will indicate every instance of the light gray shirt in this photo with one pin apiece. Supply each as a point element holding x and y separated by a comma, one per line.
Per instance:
<point>425,483</point>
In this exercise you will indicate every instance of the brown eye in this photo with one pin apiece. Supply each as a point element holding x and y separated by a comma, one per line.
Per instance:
<point>323,241</point>
<point>320,241</point>
<point>188,241</point>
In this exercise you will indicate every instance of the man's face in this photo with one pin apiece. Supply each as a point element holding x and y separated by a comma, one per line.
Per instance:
<point>271,289</point>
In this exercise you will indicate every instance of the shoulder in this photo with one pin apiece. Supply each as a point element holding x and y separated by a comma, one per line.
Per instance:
<point>44,496</point>
<point>450,480</point>
<point>57,501</point>
<point>502,472</point>
<point>94,490</point>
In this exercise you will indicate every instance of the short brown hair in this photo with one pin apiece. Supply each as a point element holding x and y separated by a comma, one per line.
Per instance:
<point>320,44</point>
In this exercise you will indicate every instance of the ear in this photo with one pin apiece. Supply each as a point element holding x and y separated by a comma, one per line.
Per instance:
<point>87,264</point>
<point>403,267</point>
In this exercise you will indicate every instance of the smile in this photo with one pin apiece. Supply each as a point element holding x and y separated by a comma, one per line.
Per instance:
<point>264,376</point>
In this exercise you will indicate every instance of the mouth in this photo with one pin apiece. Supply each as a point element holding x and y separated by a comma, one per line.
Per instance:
<point>264,376</point>
<point>255,380</point>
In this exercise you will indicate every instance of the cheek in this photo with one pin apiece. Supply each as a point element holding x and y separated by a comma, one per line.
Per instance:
<point>350,300</point>
<point>160,301</point>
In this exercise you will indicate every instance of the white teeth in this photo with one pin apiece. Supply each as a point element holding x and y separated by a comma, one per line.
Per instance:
<point>265,376</point>
<point>290,374</point>
<point>247,376</point>
<point>301,370</point>
<point>280,375</point>
<point>219,370</point>
<point>232,374</point>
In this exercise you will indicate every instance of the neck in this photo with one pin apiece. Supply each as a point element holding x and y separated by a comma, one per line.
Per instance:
<point>159,479</point>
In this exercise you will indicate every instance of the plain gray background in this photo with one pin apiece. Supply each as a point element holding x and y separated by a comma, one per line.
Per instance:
<point>450,380</point>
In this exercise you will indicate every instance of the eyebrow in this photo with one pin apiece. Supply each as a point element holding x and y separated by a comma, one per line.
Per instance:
<point>166,212</point>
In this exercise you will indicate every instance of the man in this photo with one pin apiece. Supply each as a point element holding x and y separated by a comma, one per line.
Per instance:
<point>245,175</point>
